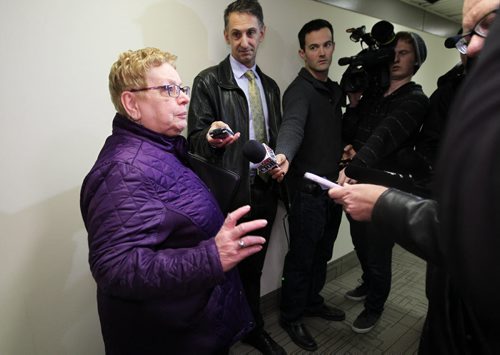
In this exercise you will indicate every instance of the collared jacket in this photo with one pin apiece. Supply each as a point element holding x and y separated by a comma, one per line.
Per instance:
<point>451,325</point>
<point>217,97</point>
<point>310,135</point>
<point>151,223</point>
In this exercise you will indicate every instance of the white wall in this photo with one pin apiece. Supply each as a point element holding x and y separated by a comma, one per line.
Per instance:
<point>55,113</point>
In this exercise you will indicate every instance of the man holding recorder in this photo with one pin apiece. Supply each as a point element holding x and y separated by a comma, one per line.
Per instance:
<point>236,95</point>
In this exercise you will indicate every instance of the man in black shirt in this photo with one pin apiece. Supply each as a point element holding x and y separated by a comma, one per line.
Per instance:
<point>310,139</point>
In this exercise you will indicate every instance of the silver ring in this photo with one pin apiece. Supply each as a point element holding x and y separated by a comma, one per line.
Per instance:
<point>241,243</point>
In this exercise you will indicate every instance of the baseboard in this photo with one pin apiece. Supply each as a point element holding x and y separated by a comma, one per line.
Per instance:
<point>341,265</point>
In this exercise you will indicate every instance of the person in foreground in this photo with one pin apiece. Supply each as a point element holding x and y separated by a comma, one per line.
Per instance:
<point>160,250</point>
<point>459,232</point>
<point>310,138</point>
<point>236,94</point>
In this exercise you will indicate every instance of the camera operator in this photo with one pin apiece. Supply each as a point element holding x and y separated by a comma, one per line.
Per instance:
<point>368,70</point>
<point>377,125</point>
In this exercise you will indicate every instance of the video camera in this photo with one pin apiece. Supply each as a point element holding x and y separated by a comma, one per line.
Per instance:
<point>369,68</point>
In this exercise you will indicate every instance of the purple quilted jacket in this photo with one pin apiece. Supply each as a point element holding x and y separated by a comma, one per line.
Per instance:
<point>151,223</point>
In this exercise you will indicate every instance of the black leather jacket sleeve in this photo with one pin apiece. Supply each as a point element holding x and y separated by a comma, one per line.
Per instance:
<point>201,115</point>
<point>411,221</point>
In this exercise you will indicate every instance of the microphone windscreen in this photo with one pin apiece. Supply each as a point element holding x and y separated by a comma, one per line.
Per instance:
<point>383,32</point>
<point>254,151</point>
<point>345,61</point>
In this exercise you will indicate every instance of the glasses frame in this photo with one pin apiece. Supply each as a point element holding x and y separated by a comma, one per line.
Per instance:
<point>169,89</point>
<point>478,30</point>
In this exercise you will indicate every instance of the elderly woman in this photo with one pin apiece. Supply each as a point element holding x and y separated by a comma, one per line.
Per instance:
<point>160,250</point>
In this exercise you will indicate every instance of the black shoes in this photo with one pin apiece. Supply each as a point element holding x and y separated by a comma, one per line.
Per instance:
<point>325,312</point>
<point>365,322</point>
<point>299,334</point>
<point>263,342</point>
<point>358,294</point>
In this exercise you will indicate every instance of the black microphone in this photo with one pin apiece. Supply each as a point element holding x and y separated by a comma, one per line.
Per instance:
<point>261,154</point>
<point>415,163</point>
<point>450,42</point>
<point>346,60</point>
<point>379,177</point>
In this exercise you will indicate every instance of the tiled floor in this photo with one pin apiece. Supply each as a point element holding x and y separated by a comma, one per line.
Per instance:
<point>397,332</point>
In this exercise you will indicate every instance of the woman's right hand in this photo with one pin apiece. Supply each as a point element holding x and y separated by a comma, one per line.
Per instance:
<point>232,240</point>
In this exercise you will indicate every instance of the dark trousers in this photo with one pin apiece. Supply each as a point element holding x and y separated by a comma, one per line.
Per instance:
<point>264,203</point>
<point>374,252</point>
<point>313,223</point>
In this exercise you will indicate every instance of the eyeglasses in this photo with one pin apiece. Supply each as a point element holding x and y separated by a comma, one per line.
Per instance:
<point>172,90</point>
<point>482,28</point>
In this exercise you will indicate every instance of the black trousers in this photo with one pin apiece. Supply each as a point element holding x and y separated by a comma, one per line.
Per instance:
<point>264,203</point>
<point>314,222</point>
<point>374,252</point>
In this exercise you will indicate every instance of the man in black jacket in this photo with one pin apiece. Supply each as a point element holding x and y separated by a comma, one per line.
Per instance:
<point>458,234</point>
<point>378,126</point>
<point>222,98</point>
<point>310,139</point>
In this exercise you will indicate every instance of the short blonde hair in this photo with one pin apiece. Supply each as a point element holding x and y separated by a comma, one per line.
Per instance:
<point>129,71</point>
